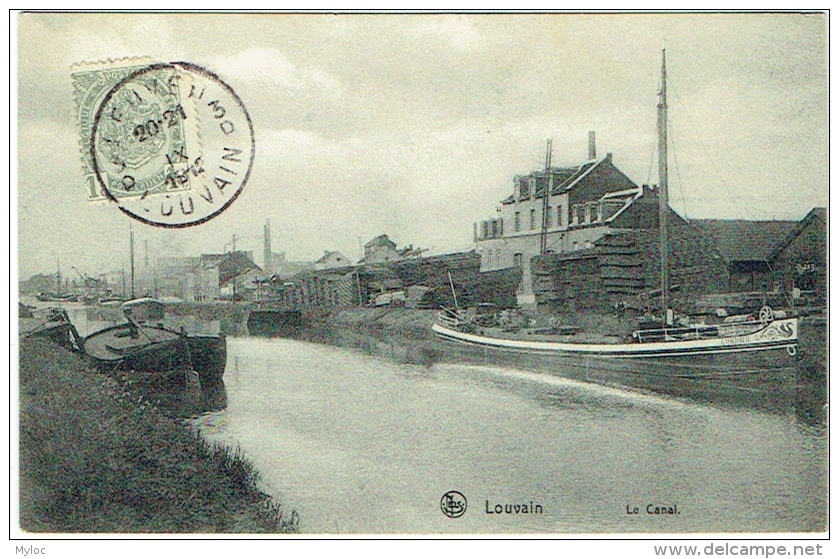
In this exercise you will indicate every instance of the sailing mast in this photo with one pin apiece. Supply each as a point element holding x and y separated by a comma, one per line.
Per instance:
<point>131,232</point>
<point>663,203</point>
<point>546,196</point>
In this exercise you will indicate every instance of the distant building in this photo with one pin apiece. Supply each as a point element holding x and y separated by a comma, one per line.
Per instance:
<point>236,272</point>
<point>207,277</point>
<point>188,278</point>
<point>772,255</point>
<point>284,268</point>
<point>39,283</point>
<point>332,259</point>
<point>380,250</point>
<point>800,259</point>
<point>746,248</point>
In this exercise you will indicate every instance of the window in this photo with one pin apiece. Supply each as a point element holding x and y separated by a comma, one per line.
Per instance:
<point>518,221</point>
<point>524,190</point>
<point>533,218</point>
<point>548,217</point>
<point>518,260</point>
<point>559,215</point>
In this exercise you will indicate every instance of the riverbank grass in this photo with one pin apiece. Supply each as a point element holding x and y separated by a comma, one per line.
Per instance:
<point>95,457</point>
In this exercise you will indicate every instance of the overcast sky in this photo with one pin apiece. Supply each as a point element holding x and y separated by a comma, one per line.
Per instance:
<point>414,125</point>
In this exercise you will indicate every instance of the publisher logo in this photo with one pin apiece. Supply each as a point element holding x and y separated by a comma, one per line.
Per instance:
<point>453,504</point>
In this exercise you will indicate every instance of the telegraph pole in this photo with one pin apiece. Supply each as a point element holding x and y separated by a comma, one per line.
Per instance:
<point>546,196</point>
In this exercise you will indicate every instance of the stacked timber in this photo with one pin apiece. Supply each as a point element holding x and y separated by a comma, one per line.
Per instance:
<point>621,265</point>
<point>471,285</point>
<point>569,281</point>
<point>543,271</point>
<point>433,270</point>
<point>497,286</point>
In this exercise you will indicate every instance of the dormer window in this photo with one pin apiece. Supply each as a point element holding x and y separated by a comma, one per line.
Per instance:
<point>524,189</point>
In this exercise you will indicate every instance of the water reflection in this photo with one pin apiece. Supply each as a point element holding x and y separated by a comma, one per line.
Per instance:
<point>334,431</point>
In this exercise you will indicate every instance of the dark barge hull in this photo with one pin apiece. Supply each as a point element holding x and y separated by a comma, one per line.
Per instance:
<point>275,323</point>
<point>153,349</point>
<point>208,355</point>
<point>55,327</point>
<point>768,380</point>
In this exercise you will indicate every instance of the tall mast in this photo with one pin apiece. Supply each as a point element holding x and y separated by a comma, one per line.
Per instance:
<point>663,203</point>
<point>131,232</point>
<point>546,196</point>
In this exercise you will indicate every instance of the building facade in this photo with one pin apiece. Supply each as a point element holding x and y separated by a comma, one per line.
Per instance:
<point>582,203</point>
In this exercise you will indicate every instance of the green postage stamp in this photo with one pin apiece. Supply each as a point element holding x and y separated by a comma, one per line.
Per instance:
<point>171,144</point>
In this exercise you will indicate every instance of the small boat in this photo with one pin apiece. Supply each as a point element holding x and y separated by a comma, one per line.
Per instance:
<point>45,297</point>
<point>141,346</point>
<point>773,331</point>
<point>52,324</point>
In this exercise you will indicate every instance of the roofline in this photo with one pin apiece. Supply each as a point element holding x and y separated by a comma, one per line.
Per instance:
<point>799,227</point>
<point>562,186</point>
<point>638,193</point>
<point>589,170</point>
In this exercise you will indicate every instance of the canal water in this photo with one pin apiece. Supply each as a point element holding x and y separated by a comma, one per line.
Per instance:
<point>360,444</point>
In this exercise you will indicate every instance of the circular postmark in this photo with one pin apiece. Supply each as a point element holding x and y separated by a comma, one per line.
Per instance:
<point>172,145</point>
<point>453,504</point>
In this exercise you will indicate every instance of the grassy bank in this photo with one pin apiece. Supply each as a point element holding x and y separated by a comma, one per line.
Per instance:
<point>95,458</point>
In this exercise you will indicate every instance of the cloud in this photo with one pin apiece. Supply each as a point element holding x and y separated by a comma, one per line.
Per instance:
<point>270,67</point>
<point>265,66</point>
<point>414,125</point>
<point>455,31</point>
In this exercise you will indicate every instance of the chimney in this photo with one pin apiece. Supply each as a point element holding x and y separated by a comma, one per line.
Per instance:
<point>266,248</point>
<point>592,147</point>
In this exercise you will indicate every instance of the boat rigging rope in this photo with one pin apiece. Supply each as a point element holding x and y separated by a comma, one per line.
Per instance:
<point>679,176</point>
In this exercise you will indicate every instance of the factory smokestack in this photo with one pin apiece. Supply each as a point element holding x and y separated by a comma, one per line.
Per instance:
<point>266,249</point>
<point>592,146</point>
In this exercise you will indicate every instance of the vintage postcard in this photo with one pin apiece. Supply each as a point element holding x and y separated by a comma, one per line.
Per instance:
<point>444,274</point>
